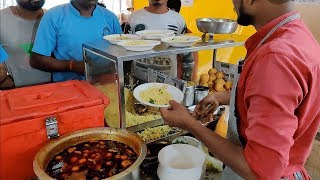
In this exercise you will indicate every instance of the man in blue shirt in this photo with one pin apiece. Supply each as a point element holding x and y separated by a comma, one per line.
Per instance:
<point>61,33</point>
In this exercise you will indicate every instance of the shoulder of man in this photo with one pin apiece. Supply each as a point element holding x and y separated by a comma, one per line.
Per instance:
<point>58,8</point>
<point>175,14</point>
<point>55,11</point>
<point>179,20</point>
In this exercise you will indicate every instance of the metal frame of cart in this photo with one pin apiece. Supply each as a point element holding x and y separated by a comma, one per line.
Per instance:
<point>103,58</point>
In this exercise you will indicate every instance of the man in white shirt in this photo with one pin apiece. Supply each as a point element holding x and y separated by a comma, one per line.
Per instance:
<point>157,16</point>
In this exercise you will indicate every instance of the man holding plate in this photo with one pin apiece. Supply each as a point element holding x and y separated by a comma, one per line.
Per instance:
<point>274,106</point>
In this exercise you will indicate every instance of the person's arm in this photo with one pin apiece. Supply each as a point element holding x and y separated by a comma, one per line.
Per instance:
<point>50,64</point>
<point>45,43</point>
<point>3,73</point>
<point>229,153</point>
<point>215,99</point>
<point>6,82</point>
<point>127,26</point>
<point>188,30</point>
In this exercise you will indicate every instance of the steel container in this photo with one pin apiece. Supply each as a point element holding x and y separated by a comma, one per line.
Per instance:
<point>200,93</point>
<point>188,99</point>
<point>216,25</point>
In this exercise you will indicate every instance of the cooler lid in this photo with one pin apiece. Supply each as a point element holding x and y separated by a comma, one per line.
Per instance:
<point>44,100</point>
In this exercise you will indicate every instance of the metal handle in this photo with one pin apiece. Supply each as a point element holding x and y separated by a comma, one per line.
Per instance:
<point>52,127</point>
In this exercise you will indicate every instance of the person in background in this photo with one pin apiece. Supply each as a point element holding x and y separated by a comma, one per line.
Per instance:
<point>174,5</point>
<point>124,18</point>
<point>189,60</point>
<point>18,27</point>
<point>61,33</point>
<point>5,82</point>
<point>157,16</point>
<point>274,105</point>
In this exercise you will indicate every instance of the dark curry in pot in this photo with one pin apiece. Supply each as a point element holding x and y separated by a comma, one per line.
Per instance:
<point>92,160</point>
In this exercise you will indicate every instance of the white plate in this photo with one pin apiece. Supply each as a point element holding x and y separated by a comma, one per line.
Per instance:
<point>116,38</point>
<point>175,93</point>
<point>181,41</point>
<point>155,34</point>
<point>138,45</point>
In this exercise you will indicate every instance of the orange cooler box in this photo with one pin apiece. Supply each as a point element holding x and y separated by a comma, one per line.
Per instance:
<point>28,116</point>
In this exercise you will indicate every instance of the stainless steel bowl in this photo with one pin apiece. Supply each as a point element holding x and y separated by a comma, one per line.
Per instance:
<point>200,92</point>
<point>216,25</point>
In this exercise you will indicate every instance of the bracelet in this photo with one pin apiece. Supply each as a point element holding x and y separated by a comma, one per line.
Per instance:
<point>70,65</point>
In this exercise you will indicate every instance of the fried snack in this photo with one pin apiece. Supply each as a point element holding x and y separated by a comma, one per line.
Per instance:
<point>219,87</point>
<point>212,77</point>
<point>212,71</point>
<point>204,84</point>
<point>211,87</point>
<point>220,75</point>
<point>204,77</point>
<point>228,85</point>
<point>220,81</point>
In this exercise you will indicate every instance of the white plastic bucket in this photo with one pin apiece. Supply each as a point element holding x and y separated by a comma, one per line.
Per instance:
<point>180,162</point>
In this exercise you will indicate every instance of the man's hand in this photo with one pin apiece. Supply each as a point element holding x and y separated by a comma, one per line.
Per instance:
<point>206,107</point>
<point>177,116</point>
<point>6,82</point>
<point>209,104</point>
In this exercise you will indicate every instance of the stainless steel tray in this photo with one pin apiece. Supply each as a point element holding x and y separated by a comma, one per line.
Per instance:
<point>159,122</point>
<point>176,131</point>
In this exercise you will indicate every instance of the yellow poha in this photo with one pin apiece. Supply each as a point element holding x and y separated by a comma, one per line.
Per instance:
<point>156,95</point>
<point>155,133</point>
<point>112,113</point>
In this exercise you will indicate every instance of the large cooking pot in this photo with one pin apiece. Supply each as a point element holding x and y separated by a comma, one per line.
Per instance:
<point>104,133</point>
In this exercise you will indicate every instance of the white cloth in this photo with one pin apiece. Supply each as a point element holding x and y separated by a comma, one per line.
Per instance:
<point>144,20</point>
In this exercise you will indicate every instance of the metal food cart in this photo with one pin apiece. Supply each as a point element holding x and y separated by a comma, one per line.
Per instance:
<point>110,64</point>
